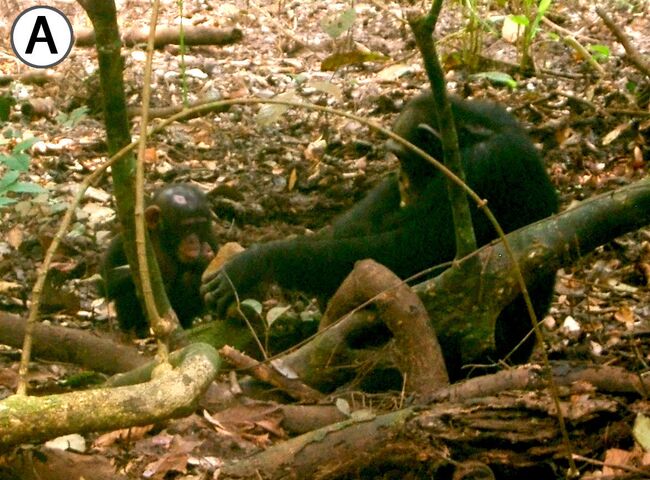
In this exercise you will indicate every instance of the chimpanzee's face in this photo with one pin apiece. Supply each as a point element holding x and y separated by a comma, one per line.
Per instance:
<point>192,239</point>
<point>180,218</point>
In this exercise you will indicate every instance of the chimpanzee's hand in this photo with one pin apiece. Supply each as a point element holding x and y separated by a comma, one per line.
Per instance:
<point>239,274</point>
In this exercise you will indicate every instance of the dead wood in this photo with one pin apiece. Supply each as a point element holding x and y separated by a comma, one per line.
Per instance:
<point>511,432</point>
<point>603,378</point>
<point>488,277</point>
<point>305,418</point>
<point>165,112</point>
<point>173,393</point>
<point>267,373</point>
<point>38,77</point>
<point>80,347</point>
<point>168,36</point>
<point>414,347</point>
<point>633,54</point>
<point>55,464</point>
<point>311,363</point>
<point>328,449</point>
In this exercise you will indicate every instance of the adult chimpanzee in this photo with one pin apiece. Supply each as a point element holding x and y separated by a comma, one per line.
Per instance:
<point>179,223</point>
<point>405,222</point>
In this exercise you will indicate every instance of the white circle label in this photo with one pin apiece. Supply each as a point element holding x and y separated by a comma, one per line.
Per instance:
<point>42,36</point>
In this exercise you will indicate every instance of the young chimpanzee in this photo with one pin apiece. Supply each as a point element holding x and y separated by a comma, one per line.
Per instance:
<point>405,222</point>
<point>179,223</point>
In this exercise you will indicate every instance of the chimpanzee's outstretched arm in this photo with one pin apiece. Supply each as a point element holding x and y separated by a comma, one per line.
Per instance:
<point>318,264</point>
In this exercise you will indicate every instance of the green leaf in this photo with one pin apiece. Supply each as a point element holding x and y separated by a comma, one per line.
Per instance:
<point>6,201</point>
<point>73,118</point>
<point>519,19</point>
<point>335,25</point>
<point>25,144</point>
<point>275,313</point>
<point>10,133</point>
<point>341,59</point>
<point>497,77</point>
<point>543,7</point>
<point>541,11</point>
<point>17,161</point>
<point>253,305</point>
<point>27,187</point>
<point>8,179</point>
<point>600,52</point>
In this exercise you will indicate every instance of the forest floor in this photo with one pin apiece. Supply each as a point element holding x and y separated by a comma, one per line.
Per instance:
<point>291,177</point>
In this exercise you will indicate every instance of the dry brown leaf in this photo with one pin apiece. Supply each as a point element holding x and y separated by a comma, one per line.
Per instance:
<point>614,134</point>
<point>562,134</point>
<point>168,463</point>
<point>133,433</point>
<point>616,456</point>
<point>625,315</point>
<point>9,378</point>
<point>225,252</point>
<point>15,237</point>
<point>293,177</point>
<point>150,155</point>
<point>637,158</point>
<point>315,150</point>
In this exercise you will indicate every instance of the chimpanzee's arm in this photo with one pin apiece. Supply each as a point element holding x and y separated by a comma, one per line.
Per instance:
<point>120,288</point>
<point>370,214</point>
<point>318,264</point>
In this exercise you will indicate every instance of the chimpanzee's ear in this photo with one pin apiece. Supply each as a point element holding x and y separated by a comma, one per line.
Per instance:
<point>152,216</point>
<point>428,130</point>
<point>470,133</point>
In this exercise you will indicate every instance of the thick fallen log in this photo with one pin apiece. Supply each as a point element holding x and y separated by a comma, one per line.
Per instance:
<point>70,345</point>
<point>168,36</point>
<point>504,436</point>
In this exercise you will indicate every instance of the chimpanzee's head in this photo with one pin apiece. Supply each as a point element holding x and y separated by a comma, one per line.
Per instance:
<point>180,219</point>
<point>418,123</point>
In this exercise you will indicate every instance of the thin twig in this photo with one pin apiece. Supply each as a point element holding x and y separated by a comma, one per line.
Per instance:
<point>635,57</point>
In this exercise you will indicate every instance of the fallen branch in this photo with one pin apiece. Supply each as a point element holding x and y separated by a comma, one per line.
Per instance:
<point>167,36</point>
<point>415,349</point>
<point>292,386</point>
<point>604,378</point>
<point>39,77</point>
<point>511,432</point>
<point>165,112</point>
<point>635,57</point>
<point>172,394</point>
<point>70,345</point>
